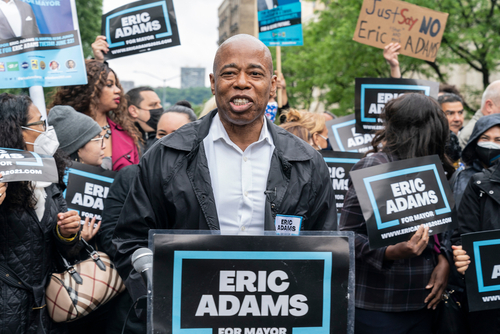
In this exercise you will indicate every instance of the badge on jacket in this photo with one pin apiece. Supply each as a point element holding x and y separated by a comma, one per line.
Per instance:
<point>288,225</point>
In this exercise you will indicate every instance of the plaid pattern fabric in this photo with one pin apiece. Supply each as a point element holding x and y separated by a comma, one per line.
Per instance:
<point>67,300</point>
<point>388,286</point>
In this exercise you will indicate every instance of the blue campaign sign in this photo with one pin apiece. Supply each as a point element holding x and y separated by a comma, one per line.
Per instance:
<point>44,49</point>
<point>280,22</point>
<point>483,275</point>
<point>344,136</point>
<point>206,283</point>
<point>17,165</point>
<point>397,197</point>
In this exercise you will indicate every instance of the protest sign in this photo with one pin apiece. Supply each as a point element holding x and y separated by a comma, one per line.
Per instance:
<point>345,138</point>
<point>280,24</point>
<point>339,166</point>
<point>372,94</point>
<point>419,30</point>
<point>86,189</point>
<point>43,48</point>
<point>397,197</point>
<point>252,284</point>
<point>140,26</point>
<point>17,165</point>
<point>483,275</point>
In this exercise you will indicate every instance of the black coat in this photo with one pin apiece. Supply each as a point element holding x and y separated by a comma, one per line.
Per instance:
<point>28,248</point>
<point>172,189</point>
<point>480,206</point>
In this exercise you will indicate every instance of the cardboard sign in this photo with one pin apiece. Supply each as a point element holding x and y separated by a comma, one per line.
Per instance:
<point>252,284</point>
<point>87,188</point>
<point>280,24</point>
<point>397,197</point>
<point>345,138</point>
<point>48,52</point>
<point>372,94</point>
<point>140,26</point>
<point>419,30</point>
<point>483,275</point>
<point>339,166</point>
<point>17,165</point>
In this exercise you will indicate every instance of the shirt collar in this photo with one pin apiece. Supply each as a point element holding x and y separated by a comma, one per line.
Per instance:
<point>219,132</point>
<point>6,3</point>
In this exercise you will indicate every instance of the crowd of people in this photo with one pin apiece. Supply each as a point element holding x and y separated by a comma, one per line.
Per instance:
<point>234,171</point>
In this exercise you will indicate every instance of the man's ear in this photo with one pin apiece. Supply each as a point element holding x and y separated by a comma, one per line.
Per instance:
<point>132,111</point>
<point>274,86</point>
<point>212,83</point>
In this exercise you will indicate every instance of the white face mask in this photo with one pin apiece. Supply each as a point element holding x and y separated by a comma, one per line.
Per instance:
<point>46,143</point>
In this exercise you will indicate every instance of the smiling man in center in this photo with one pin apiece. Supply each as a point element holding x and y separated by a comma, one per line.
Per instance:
<point>232,171</point>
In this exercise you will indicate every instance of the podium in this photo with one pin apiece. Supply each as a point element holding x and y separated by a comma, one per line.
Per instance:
<point>210,283</point>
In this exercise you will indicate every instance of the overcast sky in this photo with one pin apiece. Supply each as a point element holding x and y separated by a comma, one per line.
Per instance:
<point>197,21</point>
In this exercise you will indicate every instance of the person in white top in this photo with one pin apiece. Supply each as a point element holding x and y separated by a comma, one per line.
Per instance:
<point>17,20</point>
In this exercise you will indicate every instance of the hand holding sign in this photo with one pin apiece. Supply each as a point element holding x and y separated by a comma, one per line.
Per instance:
<point>69,223</point>
<point>3,190</point>
<point>99,48</point>
<point>461,259</point>
<point>411,248</point>
<point>89,230</point>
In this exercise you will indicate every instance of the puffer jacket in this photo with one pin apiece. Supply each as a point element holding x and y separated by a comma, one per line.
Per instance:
<point>28,248</point>
<point>172,189</point>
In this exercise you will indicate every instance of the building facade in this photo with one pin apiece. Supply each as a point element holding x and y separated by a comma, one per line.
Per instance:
<point>192,77</point>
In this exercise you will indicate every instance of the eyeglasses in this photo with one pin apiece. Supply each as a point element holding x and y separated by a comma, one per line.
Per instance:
<point>101,138</point>
<point>40,122</point>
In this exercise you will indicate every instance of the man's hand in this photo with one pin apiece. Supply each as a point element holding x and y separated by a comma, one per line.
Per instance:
<point>461,259</point>
<point>99,48</point>
<point>391,52</point>
<point>411,248</point>
<point>69,223</point>
<point>438,282</point>
<point>88,230</point>
<point>3,190</point>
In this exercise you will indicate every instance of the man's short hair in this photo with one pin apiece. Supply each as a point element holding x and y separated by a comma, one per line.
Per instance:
<point>134,96</point>
<point>183,107</point>
<point>492,92</point>
<point>449,98</point>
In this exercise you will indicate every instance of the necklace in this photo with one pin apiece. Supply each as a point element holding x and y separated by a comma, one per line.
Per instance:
<point>108,131</point>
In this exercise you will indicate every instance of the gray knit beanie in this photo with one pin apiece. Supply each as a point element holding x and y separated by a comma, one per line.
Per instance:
<point>73,128</point>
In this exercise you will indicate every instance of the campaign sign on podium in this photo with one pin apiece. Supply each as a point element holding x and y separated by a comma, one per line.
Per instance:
<point>483,275</point>
<point>221,284</point>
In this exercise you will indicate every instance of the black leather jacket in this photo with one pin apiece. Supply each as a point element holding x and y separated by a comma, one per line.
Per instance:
<point>172,189</point>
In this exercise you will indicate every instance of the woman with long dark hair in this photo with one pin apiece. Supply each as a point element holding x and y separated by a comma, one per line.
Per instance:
<point>34,222</point>
<point>102,99</point>
<point>398,285</point>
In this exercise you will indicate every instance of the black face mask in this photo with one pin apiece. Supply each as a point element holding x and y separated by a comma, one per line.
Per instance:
<point>488,156</point>
<point>154,118</point>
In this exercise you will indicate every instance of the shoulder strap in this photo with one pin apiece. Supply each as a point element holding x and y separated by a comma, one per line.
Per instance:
<point>454,178</point>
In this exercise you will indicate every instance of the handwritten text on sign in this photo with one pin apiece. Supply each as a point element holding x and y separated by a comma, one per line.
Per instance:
<point>419,30</point>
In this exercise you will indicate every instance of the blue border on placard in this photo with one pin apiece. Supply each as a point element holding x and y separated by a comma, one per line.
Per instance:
<point>163,4</point>
<point>368,180</point>
<point>335,131</point>
<point>341,160</point>
<point>426,89</point>
<point>84,174</point>
<point>479,271</point>
<point>179,256</point>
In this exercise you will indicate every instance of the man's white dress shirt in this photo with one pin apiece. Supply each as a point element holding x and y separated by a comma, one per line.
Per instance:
<point>13,16</point>
<point>238,179</point>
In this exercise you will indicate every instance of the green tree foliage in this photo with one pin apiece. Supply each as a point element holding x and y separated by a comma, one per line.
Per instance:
<point>89,19</point>
<point>331,60</point>
<point>195,96</point>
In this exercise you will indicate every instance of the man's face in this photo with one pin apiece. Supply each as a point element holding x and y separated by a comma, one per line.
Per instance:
<point>150,100</point>
<point>242,83</point>
<point>455,113</point>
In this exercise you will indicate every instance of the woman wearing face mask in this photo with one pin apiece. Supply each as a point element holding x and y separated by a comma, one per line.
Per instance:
<point>308,126</point>
<point>479,209</point>
<point>34,222</point>
<point>103,100</point>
